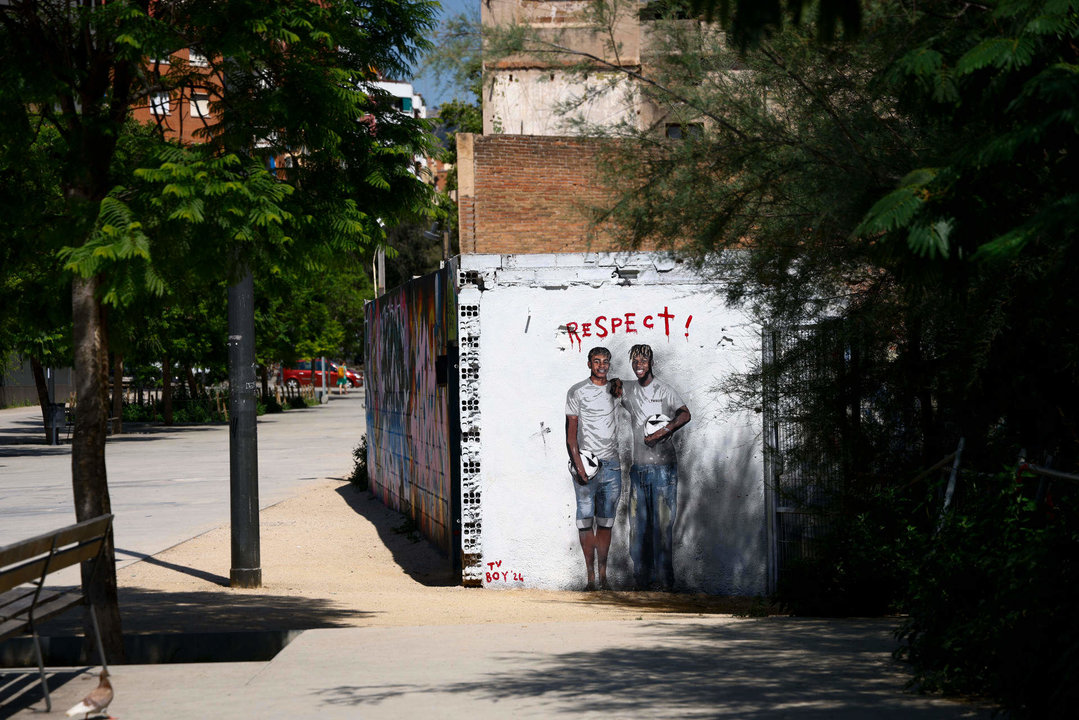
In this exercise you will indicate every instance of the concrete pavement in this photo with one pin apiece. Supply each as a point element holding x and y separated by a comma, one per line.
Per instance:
<point>170,485</point>
<point>711,667</point>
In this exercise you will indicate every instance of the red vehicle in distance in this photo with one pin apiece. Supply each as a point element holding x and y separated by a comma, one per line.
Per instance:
<point>302,372</point>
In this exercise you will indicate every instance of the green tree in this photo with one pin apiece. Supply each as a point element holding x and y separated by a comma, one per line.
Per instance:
<point>295,74</point>
<point>34,323</point>
<point>911,194</point>
<point>456,60</point>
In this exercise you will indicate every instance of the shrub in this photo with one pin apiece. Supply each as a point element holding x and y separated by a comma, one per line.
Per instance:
<point>134,412</point>
<point>359,471</point>
<point>992,606</point>
<point>269,404</point>
<point>859,568</point>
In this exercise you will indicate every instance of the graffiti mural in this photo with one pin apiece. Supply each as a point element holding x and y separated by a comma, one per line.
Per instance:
<point>607,436</point>
<point>533,411</point>
<point>408,441</point>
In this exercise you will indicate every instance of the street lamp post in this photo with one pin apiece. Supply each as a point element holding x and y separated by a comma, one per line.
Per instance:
<point>246,569</point>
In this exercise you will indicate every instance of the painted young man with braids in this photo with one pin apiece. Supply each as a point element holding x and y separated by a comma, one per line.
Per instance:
<point>654,472</point>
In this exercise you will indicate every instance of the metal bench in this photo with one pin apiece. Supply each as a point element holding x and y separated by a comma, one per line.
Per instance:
<point>24,567</point>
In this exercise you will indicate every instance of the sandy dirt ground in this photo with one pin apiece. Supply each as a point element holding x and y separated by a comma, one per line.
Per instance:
<point>334,556</point>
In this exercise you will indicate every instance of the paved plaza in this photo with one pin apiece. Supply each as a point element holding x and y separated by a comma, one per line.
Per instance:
<point>167,485</point>
<point>171,485</point>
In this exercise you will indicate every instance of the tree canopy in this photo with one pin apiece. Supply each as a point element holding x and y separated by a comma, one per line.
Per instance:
<point>130,214</point>
<point>909,195</point>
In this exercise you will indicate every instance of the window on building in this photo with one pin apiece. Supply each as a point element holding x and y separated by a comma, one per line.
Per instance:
<point>200,104</point>
<point>680,131</point>
<point>194,57</point>
<point>406,104</point>
<point>159,103</point>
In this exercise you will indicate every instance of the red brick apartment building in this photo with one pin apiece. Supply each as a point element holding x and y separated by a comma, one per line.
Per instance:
<point>184,110</point>
<point>528,184</point>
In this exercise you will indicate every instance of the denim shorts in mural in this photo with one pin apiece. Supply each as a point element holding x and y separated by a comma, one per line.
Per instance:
<point>599,498</point>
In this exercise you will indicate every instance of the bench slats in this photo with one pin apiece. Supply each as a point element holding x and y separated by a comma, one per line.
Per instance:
<point>23,568</point>
<point>30,571</point>
<point>86,530</point>
<point>48,604</point>
<point>14,602</point>
<point>18,602</point>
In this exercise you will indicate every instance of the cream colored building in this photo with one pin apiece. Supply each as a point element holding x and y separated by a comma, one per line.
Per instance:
<point>545,92</point>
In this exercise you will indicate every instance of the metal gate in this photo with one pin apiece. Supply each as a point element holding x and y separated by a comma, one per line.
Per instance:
<point>802,368</point>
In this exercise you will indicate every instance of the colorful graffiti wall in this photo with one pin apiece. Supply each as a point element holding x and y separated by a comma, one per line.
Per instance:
<point>408,441</point>
<point>678,497</point>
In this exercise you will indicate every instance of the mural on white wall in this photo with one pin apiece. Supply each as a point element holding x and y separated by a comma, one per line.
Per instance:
<point>617,383</point>
<point>592,431</point>
<point>655,412</point>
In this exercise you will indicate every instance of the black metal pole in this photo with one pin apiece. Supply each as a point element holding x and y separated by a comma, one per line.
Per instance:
<point>243,446</point>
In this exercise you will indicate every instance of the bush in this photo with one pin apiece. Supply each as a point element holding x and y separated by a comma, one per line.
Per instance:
<point>185,410</point>
<point>134,412</point>
<point>860,568</point>
<point>992,606</point>
<point>359,471</point>
<point>269,404</point>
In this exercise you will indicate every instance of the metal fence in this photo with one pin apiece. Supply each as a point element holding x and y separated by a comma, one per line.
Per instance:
<point>802,368</point>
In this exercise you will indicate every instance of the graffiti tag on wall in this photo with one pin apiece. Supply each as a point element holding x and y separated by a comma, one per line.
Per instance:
<point>408,453</point>
<point>629,323</point>
<point>495,573</point>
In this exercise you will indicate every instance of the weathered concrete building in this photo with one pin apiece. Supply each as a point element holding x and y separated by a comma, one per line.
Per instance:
<point>533,94</point>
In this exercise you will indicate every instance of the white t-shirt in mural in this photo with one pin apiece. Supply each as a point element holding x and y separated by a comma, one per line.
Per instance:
<point>643,401</point>
<point>595,409</point>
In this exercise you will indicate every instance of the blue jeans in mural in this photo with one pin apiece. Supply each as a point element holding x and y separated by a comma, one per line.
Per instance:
<point>599,498</point>
<point>652,504</point>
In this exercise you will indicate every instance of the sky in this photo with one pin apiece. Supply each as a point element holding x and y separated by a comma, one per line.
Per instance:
<point>427,86</point>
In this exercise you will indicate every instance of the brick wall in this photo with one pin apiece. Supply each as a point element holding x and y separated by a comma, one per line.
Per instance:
<point>530,194</point>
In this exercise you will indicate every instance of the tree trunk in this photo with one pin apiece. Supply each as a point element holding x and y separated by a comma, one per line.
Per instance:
<point>166,389</point>
<point>192,386</point>
<point>88,476</point>
<point>42,393</point>
<point>118,394</point>
<point>264,373</point>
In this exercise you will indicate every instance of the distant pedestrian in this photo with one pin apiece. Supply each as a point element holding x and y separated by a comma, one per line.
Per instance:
<point>342,379</point>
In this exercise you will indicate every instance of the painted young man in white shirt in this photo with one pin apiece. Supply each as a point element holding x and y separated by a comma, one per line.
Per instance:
<point>591,424</point>
<point>654,473</point>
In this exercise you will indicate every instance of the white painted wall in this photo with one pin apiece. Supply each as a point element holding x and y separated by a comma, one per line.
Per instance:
<point>541,102</point>
<point>526,364</point>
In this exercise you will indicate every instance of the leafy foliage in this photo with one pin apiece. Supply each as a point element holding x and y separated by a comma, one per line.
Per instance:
<point>912,191</point>
<point>359,476</point>
<point>992,603</point>
<point>287,79</point>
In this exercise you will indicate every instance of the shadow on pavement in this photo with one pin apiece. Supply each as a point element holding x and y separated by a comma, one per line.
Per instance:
<point>16,434</point>
<point>156,611</point>
<point>19,689</point>
<point>768,668</point>
<point>423,562</point>
<point>184,569</point>
<point>665,602</point>
<point>24,438</point>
